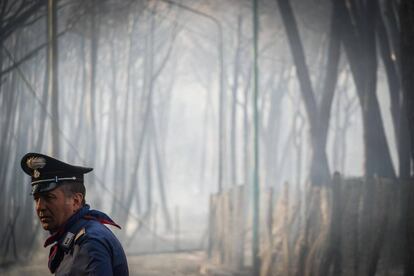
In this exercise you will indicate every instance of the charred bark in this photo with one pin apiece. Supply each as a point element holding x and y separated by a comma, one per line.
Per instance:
<point>360,46</point>
<point>318,116</point>
<point>407,75</point>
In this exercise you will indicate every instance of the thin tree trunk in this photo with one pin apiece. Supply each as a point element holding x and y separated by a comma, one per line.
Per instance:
<point>204,137</point>
<point>273,130</point>
<point>52,68</point>
<point>246,132</point>
<point>233,123</point>
<point>160,175</point>
<point>121,176</point>
<point>115,129</point>
<point>149,88</point>
<point>91,140</point>
<point>148,175</point>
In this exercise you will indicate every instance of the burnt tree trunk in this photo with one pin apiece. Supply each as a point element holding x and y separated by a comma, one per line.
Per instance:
<point>407,74</point>
<point>360,46</point>
<point>390,57</point>
<point>318,116</point>
<point>407,64</point>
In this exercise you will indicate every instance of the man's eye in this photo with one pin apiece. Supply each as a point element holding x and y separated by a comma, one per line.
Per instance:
<point>49,197</point>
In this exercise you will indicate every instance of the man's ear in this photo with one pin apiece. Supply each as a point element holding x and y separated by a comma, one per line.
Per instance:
<point>77,200</point>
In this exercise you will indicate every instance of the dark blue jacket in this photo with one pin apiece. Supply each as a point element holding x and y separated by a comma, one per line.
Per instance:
<point>86,246</point>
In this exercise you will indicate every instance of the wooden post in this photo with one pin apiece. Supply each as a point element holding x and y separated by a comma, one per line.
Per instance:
<point>331,254</point>
<point>269,218</point>
<point>154,228</point>
<point>221,226</point>
<point>211,227</point>
<point>177,229</point>
<point>239,227</point>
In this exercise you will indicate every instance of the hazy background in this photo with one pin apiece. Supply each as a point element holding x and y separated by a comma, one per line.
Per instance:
<point>157,97</point>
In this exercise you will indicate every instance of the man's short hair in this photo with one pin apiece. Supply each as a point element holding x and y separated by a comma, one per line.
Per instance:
<point>73,187</point>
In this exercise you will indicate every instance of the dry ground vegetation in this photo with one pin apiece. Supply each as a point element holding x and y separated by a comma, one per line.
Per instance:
<point>167,264</point>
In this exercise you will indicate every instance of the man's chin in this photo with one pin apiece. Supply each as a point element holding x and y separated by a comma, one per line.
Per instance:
<point>48,227</point>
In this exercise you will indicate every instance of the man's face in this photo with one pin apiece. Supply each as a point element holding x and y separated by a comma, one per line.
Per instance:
<point>54,208</point>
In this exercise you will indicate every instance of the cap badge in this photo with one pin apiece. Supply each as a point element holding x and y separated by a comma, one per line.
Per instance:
<point>36,163</point>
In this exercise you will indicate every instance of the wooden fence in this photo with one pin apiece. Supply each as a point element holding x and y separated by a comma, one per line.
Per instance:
<point>227,227</point>
<point>352,227</point>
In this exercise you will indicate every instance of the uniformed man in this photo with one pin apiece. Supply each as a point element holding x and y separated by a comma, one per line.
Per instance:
<point>82,244</point>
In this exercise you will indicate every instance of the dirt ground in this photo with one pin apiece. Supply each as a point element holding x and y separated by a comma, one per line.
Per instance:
<point>168,264</point>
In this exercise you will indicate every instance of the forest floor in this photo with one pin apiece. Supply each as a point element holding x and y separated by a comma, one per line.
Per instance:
<point>167,264</point>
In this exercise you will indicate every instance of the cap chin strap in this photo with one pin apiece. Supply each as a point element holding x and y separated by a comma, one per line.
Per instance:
<point>56,179</point>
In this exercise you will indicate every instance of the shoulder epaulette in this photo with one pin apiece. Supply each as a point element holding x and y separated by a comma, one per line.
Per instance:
<point>80,233</point>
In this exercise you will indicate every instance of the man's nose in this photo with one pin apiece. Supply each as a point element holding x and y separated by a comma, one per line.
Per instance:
<point>40,204</point>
